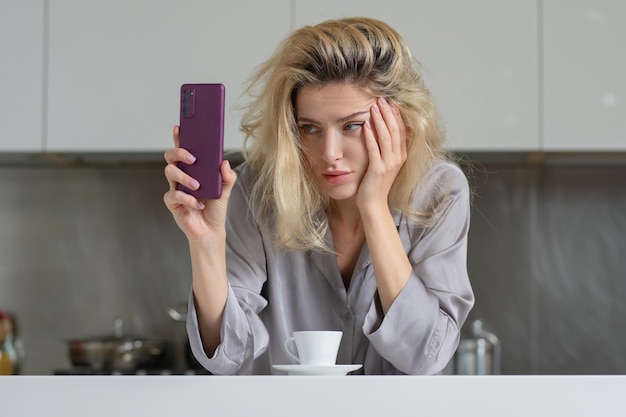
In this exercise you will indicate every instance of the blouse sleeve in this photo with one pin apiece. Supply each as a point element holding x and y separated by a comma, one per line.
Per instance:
<point>421,330</point>
<point>243,335</point>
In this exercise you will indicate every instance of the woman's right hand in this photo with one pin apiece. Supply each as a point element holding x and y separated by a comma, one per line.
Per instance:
<point>198,219</point>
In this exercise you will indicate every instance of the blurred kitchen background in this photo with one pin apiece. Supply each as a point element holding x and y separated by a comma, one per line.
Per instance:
<point>532,95</point>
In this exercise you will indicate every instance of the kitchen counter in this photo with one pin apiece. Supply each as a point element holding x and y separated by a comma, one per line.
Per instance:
<point>312,396</point>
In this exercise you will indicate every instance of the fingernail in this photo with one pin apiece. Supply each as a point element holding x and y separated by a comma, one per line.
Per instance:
<point>367,124</point>
<point>376,109</point>
<point>200,205</point>
<point>228,164</point>
<point>383,101</point>
<point>190,158</point>
<point>195,184</point>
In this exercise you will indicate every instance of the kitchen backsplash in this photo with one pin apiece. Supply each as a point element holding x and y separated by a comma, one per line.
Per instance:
<point>84,244</point>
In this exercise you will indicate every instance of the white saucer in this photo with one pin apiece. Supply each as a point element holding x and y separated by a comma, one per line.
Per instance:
<point>322,370</point>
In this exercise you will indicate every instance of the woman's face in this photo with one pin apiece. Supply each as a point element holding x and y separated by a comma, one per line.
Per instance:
<point>330,120</point>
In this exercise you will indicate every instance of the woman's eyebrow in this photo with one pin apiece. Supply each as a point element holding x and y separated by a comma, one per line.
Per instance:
<point>340,120</point>
<point>347,118</point>
<point>307,120</point>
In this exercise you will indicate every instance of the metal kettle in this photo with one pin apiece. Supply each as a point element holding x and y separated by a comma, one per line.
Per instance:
<point>478,353</point>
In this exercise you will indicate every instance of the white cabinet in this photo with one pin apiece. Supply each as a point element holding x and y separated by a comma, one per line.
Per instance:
<point>585,66</point>
<point>96,76</point>
<point>21,75</point>
<point>115,67</point>
<point>479,57</point>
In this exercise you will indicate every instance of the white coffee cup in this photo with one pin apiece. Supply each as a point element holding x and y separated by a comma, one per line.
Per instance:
<point>314,347</point>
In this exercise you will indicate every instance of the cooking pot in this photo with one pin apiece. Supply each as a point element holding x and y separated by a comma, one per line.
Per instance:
<point>117,352</point>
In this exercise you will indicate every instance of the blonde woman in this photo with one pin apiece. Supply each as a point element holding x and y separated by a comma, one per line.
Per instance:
<point>346,214</point>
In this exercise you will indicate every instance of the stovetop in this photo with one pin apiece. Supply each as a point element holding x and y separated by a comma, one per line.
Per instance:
<point>91,371</point>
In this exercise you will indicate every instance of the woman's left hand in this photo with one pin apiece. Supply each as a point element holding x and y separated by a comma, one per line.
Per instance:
<point>385,139</point>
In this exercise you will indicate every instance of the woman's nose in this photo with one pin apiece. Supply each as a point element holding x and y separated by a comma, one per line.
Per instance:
<point>332,146</point>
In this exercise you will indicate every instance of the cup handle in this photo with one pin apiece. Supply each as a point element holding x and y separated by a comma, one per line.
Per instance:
<point>291,341</point>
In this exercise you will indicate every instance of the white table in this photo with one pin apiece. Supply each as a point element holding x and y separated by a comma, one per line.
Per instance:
<point>305,396</point>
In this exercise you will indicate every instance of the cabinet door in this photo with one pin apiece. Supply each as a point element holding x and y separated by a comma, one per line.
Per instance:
<point>116,66</point>
<point>585,63</point>
<point>479,58</point>
<point>21,75</point>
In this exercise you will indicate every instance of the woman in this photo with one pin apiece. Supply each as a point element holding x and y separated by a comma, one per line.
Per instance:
<point>345,216</point>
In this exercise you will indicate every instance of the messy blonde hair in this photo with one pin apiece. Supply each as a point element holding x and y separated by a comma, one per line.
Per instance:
<point>362,51</point>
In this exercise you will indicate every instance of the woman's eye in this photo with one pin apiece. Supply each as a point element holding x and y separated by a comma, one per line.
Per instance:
<point>353,126</point>
<point>309,129</point>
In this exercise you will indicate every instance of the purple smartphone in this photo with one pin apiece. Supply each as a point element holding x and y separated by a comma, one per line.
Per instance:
<point>202,134</point>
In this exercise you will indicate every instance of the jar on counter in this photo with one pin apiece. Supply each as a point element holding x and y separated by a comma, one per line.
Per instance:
<point>10,356</point>
<point>478,353</point>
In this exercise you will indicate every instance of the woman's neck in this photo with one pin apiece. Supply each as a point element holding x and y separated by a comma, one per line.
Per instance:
<point>344,214</point>
<point>348,234</point>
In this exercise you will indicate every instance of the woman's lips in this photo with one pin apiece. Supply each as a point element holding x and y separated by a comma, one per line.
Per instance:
<point>336,177</point>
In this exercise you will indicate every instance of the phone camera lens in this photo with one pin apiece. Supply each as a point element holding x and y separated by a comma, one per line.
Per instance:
<point>187,102</point>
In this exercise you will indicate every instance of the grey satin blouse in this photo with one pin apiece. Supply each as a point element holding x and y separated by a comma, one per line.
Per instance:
<point>274,292</point>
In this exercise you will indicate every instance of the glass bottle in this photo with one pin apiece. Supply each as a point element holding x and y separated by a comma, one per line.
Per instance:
<point>9,355</point>
<point>478,353</point>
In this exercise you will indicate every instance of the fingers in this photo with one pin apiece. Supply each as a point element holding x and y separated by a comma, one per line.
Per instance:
<point>378,127</point>
<point>402,132</point>
<point>173,156</point>
<point>174,199</point>
<point>371,144</point>
<point>176,136</point>
<point>389,129</point>
<point>228,175</point>
<point>178,154</point>
<point>175,176</point>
